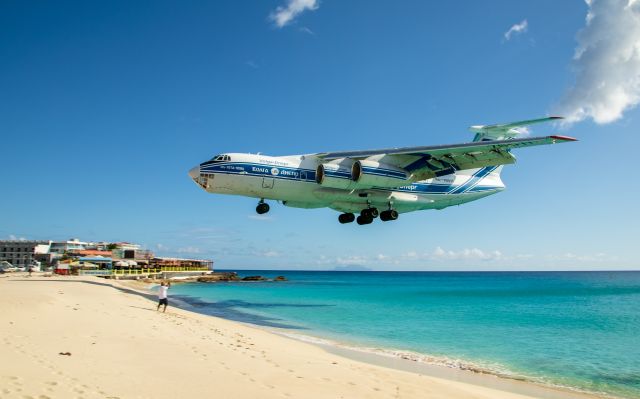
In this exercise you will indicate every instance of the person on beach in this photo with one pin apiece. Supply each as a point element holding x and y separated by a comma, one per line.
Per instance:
<point>162,296</point>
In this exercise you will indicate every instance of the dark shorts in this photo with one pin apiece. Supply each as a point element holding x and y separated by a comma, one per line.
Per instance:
<point>163,302</point>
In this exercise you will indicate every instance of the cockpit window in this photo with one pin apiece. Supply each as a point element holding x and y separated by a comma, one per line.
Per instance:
<point>220,158</point>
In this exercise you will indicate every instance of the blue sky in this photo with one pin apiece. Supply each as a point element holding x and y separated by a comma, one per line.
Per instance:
<point>104,106</point>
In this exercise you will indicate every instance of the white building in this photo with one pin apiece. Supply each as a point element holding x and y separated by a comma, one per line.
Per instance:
<point>60,247</point>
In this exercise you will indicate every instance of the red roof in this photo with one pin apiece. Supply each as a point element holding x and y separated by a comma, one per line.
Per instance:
<point>92,252</point>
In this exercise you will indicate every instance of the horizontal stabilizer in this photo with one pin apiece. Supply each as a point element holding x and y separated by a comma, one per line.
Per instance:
<point>505,130</point>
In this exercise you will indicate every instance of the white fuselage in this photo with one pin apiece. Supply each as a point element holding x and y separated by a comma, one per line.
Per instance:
<point>292,180</point>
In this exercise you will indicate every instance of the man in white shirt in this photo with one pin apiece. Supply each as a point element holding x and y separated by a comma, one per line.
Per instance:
<point>162,296</point>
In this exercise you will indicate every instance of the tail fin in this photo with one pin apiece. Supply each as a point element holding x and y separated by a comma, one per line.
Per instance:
<point>505,131</point>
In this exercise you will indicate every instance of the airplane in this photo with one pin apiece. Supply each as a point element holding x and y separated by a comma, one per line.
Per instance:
<point>375,183</point>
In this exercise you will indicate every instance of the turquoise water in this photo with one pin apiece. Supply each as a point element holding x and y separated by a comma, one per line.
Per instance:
<point>575,329</point>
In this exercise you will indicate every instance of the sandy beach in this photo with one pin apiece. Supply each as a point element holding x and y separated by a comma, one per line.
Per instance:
<point>83,337</point>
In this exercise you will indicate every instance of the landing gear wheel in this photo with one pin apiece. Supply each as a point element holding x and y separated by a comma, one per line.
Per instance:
<point>370,212</point>
<point>262,208</point>
<point>391,214</point>
<point>346,218</point>
<point>362,219</point>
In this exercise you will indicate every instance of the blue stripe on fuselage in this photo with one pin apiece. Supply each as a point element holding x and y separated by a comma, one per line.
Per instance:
<point>473,179</point>
<point>309,175</point>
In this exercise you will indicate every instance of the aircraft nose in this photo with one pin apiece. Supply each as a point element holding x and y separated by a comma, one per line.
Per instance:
<point>194,172</point>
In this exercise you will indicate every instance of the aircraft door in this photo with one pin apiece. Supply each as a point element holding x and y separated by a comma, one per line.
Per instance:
<point>267,182</point>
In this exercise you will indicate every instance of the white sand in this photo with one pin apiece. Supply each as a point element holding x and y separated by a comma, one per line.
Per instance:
<point>122,348</point>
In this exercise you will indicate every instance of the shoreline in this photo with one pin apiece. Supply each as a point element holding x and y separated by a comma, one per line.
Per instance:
<point>89,337</point>
<point>420,363</point>
<point>405,361</point>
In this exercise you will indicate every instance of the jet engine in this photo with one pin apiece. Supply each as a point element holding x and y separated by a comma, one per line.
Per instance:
<point>335,174</point>
<point>367,173</point>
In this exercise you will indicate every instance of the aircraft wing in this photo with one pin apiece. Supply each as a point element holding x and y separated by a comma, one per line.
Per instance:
<point>438,160</point>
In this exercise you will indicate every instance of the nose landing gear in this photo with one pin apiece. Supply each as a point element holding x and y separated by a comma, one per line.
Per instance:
<point>262,207</point>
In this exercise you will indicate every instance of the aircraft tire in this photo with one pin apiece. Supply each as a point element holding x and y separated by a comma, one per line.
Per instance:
<point>386,216</point>
<point>346,218</point>
<point>370,212</point>
<point>262,208</point>
<point>362,219</point>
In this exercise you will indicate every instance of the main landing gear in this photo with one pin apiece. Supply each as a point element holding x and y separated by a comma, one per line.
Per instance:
<point>262,207</point>
<point>367,215</point>
<point>391,214</point>
<point>346,218</point>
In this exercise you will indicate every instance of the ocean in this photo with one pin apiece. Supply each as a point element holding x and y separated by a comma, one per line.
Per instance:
<point>573,329</point>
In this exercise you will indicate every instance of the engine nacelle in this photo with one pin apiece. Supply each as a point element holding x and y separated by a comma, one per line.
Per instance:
<point>335,174</point>
<point>368,173</point>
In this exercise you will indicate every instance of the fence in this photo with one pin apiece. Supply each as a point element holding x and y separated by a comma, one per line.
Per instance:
<point>142,271</point>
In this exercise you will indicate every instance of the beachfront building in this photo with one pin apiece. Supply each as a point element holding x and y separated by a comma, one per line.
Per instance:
<point>129,251</point>
<point>100,245</point>
<point>21,253</point>
<point>61,247</point>
<point>91,252</point>
<point>181,263</point>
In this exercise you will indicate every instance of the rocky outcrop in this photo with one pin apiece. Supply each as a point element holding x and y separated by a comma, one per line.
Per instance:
<point>254,278</point>
<point>220,276</point>
<point>231,276</point>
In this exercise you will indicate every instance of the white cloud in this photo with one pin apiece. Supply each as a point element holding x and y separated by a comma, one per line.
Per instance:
<point>189,250</point>
<point>606,63</point>
<point>13,237</point>
<point>352,260</point>
<point>283,15</point>
<point>307,31</point>
<point>270,254</point>
<point>263,218</point>
<point>466,254</point>
<point>411,255</point>
<point>570,256</point>
<point>516,29</point>
<point>523,131</point>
